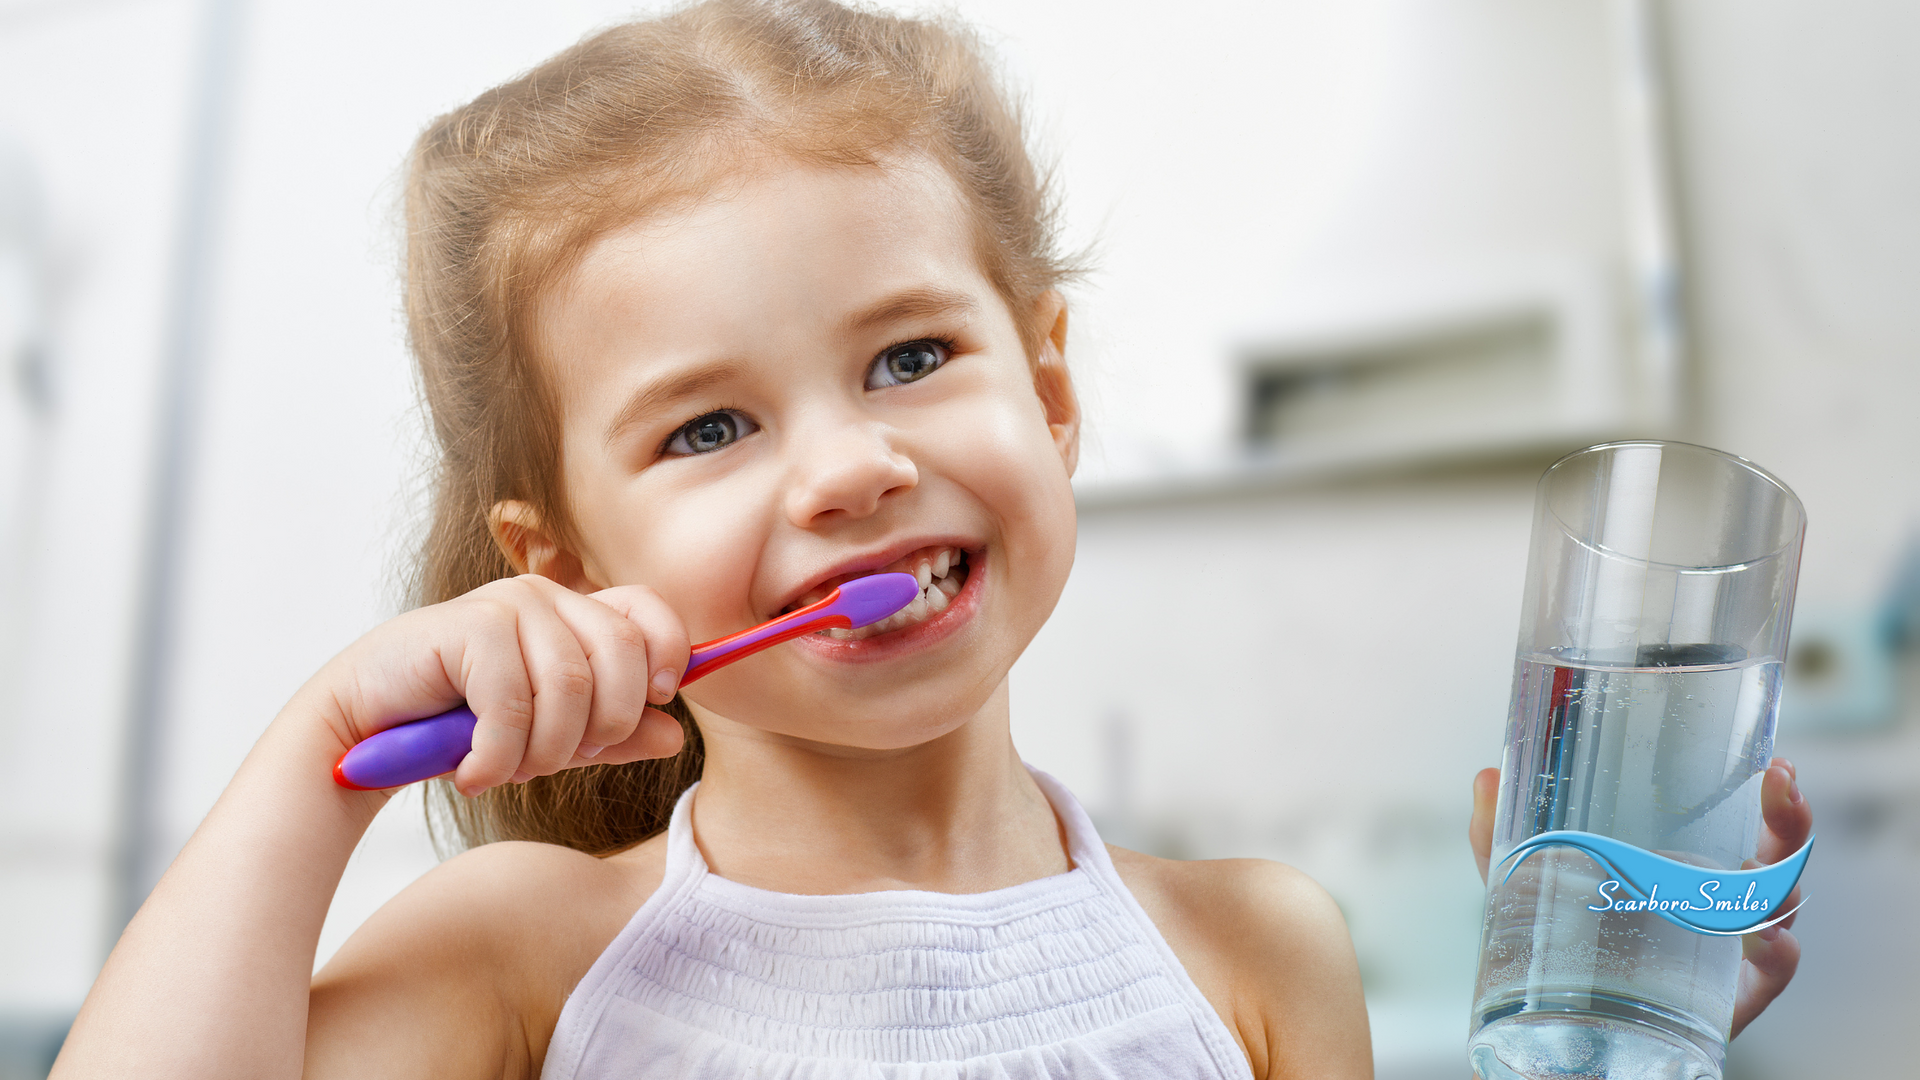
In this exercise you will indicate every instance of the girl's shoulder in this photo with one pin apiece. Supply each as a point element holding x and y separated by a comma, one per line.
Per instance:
<point>1269,949</point>
<point>533,903</point>
<point>480,954</point>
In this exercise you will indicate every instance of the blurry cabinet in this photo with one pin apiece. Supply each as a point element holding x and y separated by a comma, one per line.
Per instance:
<point>1482,363</point>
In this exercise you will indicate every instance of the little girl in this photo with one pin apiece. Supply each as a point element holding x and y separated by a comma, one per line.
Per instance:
<point>714,312</point>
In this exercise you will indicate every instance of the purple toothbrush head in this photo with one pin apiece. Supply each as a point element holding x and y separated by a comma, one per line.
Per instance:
<point>869,599</point>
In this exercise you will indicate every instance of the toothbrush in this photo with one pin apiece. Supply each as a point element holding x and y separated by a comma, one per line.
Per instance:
<point>422,749</point>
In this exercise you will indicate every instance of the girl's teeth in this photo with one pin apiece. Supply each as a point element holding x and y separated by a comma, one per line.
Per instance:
<point>937,591</point>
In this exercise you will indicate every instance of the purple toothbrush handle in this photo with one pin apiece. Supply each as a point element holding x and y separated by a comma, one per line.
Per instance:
<point>419,750</point>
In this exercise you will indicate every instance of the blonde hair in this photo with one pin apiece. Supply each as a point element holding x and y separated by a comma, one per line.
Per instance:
<point>506,192</point>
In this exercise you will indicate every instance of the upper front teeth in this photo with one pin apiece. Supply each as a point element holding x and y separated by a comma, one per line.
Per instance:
<point>937,590</point>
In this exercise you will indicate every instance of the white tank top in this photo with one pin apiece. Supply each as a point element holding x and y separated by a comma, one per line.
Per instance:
<point>1063,978</point>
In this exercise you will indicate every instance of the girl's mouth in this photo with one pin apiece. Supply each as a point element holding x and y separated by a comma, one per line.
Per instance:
<point>941,571</point>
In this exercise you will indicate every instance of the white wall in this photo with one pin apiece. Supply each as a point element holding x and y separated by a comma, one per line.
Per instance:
<point>107,162</point>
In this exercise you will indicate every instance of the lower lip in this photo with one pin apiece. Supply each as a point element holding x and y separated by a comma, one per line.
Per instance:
<point>921,635</point>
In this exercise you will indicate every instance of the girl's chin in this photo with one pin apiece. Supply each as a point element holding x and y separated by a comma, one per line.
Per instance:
<point>848,738</point>
<point>925,635</point>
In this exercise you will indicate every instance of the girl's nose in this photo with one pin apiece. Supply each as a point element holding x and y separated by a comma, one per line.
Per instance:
<point>849,472</point>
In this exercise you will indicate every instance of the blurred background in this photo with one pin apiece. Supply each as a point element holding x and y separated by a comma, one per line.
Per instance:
<point>1365,267</point>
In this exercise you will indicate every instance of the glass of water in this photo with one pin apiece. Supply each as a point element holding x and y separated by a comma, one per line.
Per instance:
<point>1659,590</point>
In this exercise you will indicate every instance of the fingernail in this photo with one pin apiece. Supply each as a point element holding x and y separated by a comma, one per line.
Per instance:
<point>1771,933</point>
<point>473,791</point>
<point>521,776</point>
<point>1793,792</point>
<point>1787,765</point>
<point>589,750</point>
<point>665,680</point>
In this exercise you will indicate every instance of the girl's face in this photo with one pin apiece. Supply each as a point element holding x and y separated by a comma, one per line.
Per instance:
<point>804,379</point>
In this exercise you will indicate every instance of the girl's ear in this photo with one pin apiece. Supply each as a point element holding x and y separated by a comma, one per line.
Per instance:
<point>1053,382</point>
<point>532,548</point>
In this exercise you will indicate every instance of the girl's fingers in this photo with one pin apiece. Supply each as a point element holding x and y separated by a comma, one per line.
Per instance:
<point>1784,810</point>
<point>1486,793</point>
<point>616,650</point>
<point>532,704</point>
<point>493,678</point>
<point>666,636</point>
<point>563,689</point>
<point>657,735</point>
<point>1769,958</point>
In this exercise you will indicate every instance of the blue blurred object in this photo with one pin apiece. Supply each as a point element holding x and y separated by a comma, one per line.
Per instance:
<point>1900,616</point>
<point>1840,674</point>
<point>28,1045</point>
<point>1842,669</point>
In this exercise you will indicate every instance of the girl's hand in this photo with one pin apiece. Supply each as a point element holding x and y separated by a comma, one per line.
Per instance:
<point>558,679</point>
<point>1769,956</point>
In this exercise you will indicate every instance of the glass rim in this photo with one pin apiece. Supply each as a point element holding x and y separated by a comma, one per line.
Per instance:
<point>1793,500</point>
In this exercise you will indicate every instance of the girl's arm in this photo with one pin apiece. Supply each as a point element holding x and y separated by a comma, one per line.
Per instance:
<point>212,978</point>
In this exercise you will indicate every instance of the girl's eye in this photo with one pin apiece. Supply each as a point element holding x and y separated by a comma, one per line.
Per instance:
<point>906,363</point>
<point>714,431</point>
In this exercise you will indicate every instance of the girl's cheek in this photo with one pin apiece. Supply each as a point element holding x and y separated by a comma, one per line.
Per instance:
<point>1007,450</point>
<point>697,548</point>
<point>1017,428</point>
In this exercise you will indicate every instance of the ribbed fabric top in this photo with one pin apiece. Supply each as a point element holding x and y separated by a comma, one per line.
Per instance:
<point>1064,977</point>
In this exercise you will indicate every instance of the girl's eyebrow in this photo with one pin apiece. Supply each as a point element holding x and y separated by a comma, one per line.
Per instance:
<point>653,397</point>
<point>925,302</point>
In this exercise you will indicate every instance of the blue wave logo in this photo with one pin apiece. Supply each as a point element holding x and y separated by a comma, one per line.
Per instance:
<point>1723,902</point>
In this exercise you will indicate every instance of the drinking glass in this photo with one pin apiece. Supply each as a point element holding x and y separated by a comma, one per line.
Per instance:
<point>1659,590</point>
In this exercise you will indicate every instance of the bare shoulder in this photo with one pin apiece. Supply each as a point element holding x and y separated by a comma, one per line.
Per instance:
<point>519,902</point>
<point>1269,948</point>
<point>464,972</point>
